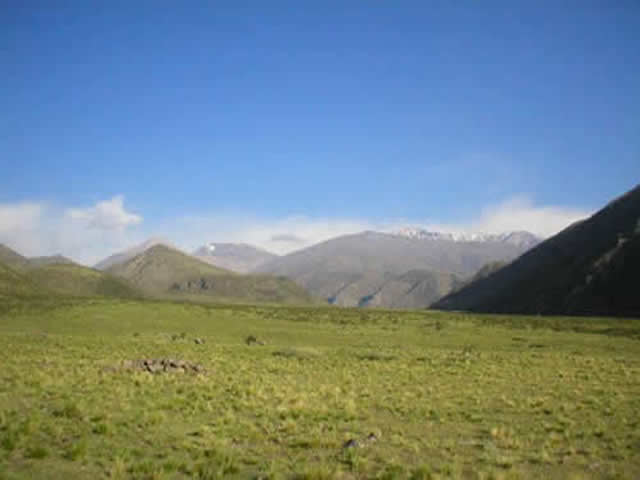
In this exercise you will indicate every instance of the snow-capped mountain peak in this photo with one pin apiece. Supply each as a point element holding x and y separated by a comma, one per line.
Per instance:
<point>520,238</point>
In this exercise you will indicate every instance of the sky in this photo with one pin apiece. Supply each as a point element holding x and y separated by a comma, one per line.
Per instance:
<point>282,124</point>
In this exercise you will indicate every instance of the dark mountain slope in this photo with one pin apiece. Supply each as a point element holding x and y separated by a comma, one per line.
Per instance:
<point>590,268</point>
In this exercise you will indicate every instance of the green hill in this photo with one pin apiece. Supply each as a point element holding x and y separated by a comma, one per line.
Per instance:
<point>14,283</point>
<point>75,280</point>
<point>590,268</point>
<point>162,271</point>
<point>12,259</point>
<point>50,260</point>
<point>158,268</point>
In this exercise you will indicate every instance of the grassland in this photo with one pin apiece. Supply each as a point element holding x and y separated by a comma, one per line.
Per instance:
<point>446,395</point>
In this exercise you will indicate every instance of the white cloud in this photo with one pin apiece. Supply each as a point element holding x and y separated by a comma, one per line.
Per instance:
<point>91,233</point>
<point>19,225</point>
<point>288,234</point>
<point>108,215</point>
<point>19,216</point>
<point>83,234</point>
<point>519,213</point>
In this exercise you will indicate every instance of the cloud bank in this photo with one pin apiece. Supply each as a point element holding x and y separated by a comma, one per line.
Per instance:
<point>83,234</point>
<point>107,215</point>
<point>90,233</point>
<point>518,213</point>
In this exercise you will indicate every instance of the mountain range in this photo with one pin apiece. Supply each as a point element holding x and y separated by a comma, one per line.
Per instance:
<point>407,268</point>
<point>590,268</point>
<point>410,268</point>
<point>157,271</point>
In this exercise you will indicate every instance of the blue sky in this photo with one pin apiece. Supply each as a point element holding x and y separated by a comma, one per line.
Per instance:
<point>197,120</point>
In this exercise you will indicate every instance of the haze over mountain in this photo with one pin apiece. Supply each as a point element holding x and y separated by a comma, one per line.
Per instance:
<point>237,257</point>
<point>590,268</point>
<point>410,267</point>
<point>163,271</point>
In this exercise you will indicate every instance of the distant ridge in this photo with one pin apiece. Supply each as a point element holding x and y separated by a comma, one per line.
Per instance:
<point>590,268</point>
<point>410,268</point>
<point>238,257</point>
<point>55,275</point>
<point>49,260</point>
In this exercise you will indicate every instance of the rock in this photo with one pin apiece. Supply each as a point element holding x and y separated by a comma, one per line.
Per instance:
<point>351,443</point>
<point>162,365</point>
<point>355,443</point>
<point>251,340</point>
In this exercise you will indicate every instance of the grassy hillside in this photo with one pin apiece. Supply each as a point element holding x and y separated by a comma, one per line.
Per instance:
<point>12,259</point>
<point>14,283</point>
<point>163,271</point>
<point>160,267</point>
<point>49,260</point>
<point>460,396</point>
<point>75,280</point>
<point>590,268</point>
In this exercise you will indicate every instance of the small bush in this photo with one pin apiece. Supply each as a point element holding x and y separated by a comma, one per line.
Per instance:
<point>100,429</point>
<point>75,451</point>
<point>70,410</point>
<point>36,452</point>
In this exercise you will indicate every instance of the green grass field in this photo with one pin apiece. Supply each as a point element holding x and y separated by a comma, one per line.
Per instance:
<point>446,395</point>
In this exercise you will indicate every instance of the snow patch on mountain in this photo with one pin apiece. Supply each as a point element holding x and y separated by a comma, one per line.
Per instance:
<point>519,238</point>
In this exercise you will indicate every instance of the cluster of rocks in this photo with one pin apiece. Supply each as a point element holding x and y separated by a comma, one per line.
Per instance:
<point>252,340</point>
<point>360,442</point>
<point>183,336</point>
<point>162,365</point>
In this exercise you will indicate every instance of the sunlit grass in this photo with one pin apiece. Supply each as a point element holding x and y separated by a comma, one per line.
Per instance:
<point>446,395</point>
